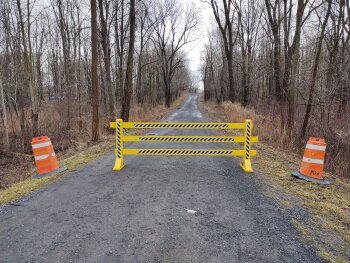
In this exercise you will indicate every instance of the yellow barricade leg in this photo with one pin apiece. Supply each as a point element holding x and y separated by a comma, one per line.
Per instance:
<point>246,163</point>
<point>119,162</point>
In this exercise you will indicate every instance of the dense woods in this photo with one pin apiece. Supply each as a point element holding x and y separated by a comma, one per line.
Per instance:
<point>290,61</point>
<point>68,66</point>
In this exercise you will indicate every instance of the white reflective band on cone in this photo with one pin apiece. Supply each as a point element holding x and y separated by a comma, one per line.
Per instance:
<point>310,160</point>
<point>41,157</point>
<point>53,154</point>
<point>315,147</point>
<point>40,145</point>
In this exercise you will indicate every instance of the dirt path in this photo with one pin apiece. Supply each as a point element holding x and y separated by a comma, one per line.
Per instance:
<point>138,214</point>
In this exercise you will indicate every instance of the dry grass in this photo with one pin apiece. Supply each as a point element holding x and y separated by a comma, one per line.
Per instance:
<point>73,157</point>
<point>329,206</point>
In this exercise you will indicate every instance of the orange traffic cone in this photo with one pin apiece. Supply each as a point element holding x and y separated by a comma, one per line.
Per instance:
<point>312,164</point>
<point>45,158</point>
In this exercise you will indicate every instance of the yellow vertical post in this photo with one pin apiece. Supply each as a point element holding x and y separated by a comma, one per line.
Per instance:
<point>246,163</point>
<point>119,162</point>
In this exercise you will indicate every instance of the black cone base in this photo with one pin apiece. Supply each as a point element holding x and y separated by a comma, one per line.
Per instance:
<point>59,170</point>
<point>310,179</point>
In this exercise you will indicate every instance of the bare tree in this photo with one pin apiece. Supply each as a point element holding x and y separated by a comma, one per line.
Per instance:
<point>273,14</point>
<point>173,29</point>
<point>94,73</point>
<point>107,54</point>
<point>224,17</point>
<point>249,18</point>
<point>4,115</point>
<point>125,111</point>
<point>62,16</point>
<point>145,31</point>
<point>314,70</point>
<point>27,54</point>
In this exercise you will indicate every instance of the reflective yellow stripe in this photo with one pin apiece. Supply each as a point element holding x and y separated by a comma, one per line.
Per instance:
<point>187,152</point>
<point>150,138</point>
<point>179,125</point>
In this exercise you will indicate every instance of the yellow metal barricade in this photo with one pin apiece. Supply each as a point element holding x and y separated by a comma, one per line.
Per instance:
<point>247,140</point>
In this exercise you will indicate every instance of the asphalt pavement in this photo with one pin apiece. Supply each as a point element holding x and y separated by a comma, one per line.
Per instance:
<point>140,214</point>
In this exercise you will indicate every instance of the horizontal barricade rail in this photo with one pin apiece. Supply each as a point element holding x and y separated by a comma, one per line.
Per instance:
<point>247,140</point>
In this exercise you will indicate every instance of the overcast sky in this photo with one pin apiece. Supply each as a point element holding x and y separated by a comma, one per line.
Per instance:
<point>194,49</point>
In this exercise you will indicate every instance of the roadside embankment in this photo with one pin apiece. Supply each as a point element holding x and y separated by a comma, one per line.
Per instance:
<point>329,206</point>
<point>16,173</point>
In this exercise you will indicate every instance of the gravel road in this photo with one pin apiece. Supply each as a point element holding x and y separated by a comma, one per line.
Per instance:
<point>139,214</point>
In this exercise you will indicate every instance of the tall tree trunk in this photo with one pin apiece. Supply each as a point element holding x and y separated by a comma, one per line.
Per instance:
<point>28,69</point>
<point>79,84</point>
<point>107,60</point>
<point>314,72</point>
<point>129,68</point>
<point>4,116</point>
<point>94,73</point>
<point>139,90</point>
<point>68,69</point>
<point>295,50</point>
